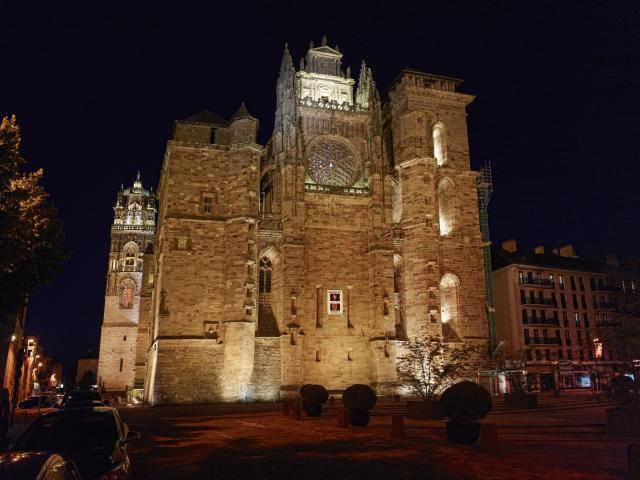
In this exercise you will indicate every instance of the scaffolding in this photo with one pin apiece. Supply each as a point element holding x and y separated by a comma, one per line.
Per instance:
<point>485,188</point>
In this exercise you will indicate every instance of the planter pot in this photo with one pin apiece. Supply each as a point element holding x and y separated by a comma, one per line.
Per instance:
<point>359,418</point>
<point>521,400</point>
<point>313,409</point>
<point>623,421</point>
<point>463,432</point>
<point>425,410</point>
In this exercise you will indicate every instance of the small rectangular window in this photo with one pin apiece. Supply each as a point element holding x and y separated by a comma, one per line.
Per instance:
<point>576,317</point>
<point>334,302</point>
<point>208,200</point>
<point>565,319</point>
<point>572,280</point>
<point>581,283</point>
<point>561,281</point>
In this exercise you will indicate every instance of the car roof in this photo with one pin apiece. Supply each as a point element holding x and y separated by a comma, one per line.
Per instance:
<point>78,412</point>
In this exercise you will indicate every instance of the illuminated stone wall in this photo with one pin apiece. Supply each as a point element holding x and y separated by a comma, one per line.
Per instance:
<point>348,232</point>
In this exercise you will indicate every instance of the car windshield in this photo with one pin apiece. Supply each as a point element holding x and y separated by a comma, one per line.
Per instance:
<point>68,433</point>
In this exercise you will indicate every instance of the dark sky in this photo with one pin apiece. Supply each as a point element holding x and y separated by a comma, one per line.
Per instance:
<point>96,89</point>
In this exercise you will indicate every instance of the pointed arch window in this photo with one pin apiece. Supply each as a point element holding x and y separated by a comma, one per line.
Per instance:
<point>439,143</point>
<point>449,298</point>
<point>446,208</point>
<point>264,276</point>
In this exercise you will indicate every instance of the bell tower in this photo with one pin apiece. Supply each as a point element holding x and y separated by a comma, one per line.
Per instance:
<point>132,232</point>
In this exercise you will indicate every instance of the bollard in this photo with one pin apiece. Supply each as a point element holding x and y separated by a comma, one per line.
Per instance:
<point>343,418</point>
<point>397,426</point>
<point>296,410</point>
<point>286,407</point>
<point>633,452</point>
<point>488,441</point>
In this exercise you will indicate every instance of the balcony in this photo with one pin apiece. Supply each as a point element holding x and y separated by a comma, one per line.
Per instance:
<point>541,341</point>
<point>606,306</point>
<point>545,302</point>
<point>541,321</point>
<point>605,288</point>
<point>608,323</point>
<point>538,282</point>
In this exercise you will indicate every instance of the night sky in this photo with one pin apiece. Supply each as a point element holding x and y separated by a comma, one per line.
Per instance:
<point>96,90</point>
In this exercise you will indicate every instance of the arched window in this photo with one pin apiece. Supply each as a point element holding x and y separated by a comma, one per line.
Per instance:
<point>449,298</point>
<point>446,208</point>
<point>439,143</point>
<point>127,293</point>
<point>130,254</point>
<point>264,280</point>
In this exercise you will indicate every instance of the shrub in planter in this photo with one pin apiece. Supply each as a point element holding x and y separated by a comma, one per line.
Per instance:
<point>358,399</point>
<point>464,404</point>
<point>313,397</point>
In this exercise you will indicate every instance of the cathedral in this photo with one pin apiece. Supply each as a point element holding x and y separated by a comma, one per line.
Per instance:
<point>306,260</point>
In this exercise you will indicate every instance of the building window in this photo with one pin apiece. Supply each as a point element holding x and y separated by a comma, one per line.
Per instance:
<point>264,277</point>
<point>527,340</point>
<point>555,317</point>
<point>547,354</point>
<point>524,316</point>
<point>446,210</point>
<point>579,337</point>
<point>523,298</point>
<point>534,316</point>
<point>574,300</point>
<point>567,337</point>
<point>334,302</point>
<point>124,338</point>
<point>439,143</point>
<point>592,283</point>
<point>552,280</point>
<point>182,242</point>
<point>563,301</point>
<point>521,278</point>
<point>572,281</point>
<point>127,293</point>
<point>585,319</point>
<point>581,283</point>
<point>565,319</point>
<point>595,301</point>
<point>583,301</point>
<point>561,281</point>
<point>554,300</point>
<point>576,317</point>
<point>560,355</point>
<point>449,298</point>
<point>121,364</point>
<point>207,203</point>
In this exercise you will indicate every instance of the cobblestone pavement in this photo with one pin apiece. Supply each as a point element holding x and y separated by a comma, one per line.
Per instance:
<point>564,438</point>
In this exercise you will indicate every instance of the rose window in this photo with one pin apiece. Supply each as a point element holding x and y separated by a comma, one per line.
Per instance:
<point>332,163</point>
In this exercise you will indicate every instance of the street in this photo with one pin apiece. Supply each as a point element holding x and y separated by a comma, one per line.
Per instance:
<point>564,438</point>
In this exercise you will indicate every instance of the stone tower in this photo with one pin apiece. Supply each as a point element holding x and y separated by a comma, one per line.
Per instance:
<point>126,305</point>
<point>311,259</point>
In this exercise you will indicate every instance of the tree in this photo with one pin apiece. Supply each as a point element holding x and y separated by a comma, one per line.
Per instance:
<point>429,364</point>
<point>31,237</point>
<point>513,366</point>
<point>88,380</point>
<point>623,336</point>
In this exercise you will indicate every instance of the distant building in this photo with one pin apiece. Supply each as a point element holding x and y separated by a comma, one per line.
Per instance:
<point>87,365</point>
<point>41,372</point>
<point>555,309</point>
<point>12,321</point>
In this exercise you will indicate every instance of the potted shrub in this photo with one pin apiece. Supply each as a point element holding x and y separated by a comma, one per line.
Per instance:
<point>464,404</point>
<point>513,369</point>
<point>358,399</point>
<point>625,418</point>
<point>428,366</point>
<point>313,397</point>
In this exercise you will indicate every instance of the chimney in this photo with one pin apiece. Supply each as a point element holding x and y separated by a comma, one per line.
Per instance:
<point>539,250</point>
<point>510,245</point>
<point>566,251</point>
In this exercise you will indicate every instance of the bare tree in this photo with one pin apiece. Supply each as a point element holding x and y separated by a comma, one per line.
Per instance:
<point>429,364</point>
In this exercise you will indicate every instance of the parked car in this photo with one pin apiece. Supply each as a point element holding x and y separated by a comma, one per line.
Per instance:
<point>37,465</point>
<point>43,400</point>
<point>95,438</point>
<point>81,398</point>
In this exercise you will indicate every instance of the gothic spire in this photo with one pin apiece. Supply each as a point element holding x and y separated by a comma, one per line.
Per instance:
<point>365,85</point>
<point>286,99</point>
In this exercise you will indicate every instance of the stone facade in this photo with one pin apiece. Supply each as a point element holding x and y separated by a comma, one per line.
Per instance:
<point>310,259</point>
<point>126,302</point>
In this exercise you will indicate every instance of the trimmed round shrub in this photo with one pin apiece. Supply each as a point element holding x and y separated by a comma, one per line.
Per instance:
<point>359,397</point>
<point>466,402</point>
<point>314,394</point>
